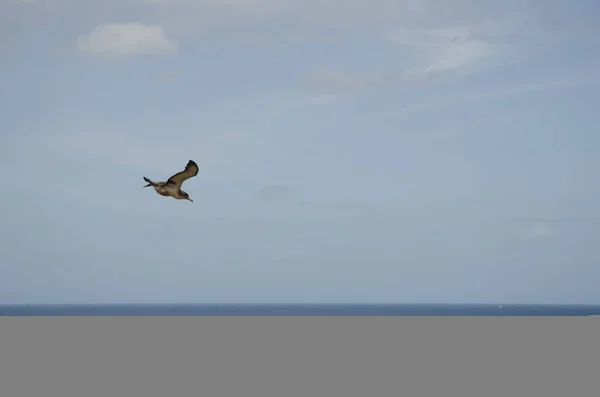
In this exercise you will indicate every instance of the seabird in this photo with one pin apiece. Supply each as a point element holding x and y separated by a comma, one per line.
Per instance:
<point>172,187</point>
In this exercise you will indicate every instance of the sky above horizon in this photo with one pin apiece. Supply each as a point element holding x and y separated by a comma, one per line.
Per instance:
<point>349,151</point>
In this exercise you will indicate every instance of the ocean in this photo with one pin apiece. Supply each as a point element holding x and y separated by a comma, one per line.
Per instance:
<point>167,309</point>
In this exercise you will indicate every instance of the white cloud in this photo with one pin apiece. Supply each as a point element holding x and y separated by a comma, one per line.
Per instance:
<point>216,19</point>
<point>539,230</point>
<point>438,35</point>
<point>432,53</point>
<point>114,40</point>
<point>458,54</point>
<point>457,47</point>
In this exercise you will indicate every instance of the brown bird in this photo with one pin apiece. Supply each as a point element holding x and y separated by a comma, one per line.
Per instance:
<point>172,187</point>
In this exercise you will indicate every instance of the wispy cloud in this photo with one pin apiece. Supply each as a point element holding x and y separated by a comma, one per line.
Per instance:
<point>113,40</point>
<point>430,54</point>
<point>540,230</point>
<point>457,47</point>
<point>514,90</point>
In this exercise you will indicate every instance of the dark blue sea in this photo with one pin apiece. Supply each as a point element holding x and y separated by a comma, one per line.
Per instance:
<point>299,310</point>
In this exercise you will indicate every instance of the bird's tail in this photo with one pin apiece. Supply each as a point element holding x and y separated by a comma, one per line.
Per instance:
<point>150,183</point>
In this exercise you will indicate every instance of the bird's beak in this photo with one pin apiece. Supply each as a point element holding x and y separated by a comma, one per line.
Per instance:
<point>191,200</point>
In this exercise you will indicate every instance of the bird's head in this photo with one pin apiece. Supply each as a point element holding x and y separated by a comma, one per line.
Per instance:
<point>186,196</point>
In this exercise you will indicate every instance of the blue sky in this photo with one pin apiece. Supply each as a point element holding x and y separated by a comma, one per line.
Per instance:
<point>349,151</point>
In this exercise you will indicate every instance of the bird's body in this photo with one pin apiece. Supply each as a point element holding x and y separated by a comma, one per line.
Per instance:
<point>166,190</point>
<point>172,187</point>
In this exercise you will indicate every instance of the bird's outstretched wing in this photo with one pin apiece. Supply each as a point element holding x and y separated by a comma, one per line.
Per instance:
<point>191,170</point>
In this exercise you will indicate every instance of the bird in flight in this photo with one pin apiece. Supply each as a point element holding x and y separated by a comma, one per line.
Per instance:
<point>172,187</point>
